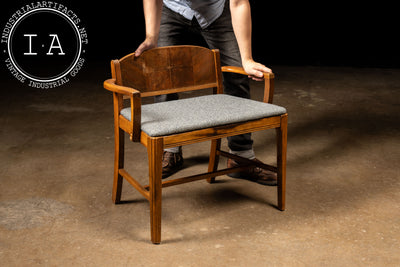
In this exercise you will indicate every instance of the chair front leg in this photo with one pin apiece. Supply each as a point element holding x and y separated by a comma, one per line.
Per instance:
<point>281,161</point>
<point>214,158</point>
<point>118,164</point>
<point>155,151</point>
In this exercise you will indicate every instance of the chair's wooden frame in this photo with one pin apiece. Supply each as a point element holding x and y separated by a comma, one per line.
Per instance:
<point>121,86</point>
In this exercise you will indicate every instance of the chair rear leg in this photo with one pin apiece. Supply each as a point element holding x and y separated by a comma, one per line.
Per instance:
<point>155,152</point>
<point>118,164</point>
<point>281,161</point>
<point>214,158</point>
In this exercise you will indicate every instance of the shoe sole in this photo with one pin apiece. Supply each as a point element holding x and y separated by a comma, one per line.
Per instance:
<point>238,176</point>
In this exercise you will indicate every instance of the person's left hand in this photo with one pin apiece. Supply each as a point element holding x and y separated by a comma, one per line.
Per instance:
<point>255,70</point>
<point>147,44</point>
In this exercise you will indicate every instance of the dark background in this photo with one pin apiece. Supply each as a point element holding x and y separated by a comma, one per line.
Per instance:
<point>330,33</point>
<point>322,34</point>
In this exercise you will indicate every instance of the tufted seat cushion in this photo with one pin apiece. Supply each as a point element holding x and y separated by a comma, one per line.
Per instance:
<point>172,117</point>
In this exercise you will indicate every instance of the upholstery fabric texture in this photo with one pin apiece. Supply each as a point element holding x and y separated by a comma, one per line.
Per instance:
<point>172,117</point>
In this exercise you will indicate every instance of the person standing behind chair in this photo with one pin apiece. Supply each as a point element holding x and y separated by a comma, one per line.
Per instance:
<point>224,25</point>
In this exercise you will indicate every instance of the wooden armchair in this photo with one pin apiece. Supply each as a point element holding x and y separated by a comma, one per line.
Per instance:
<point>211,117</point>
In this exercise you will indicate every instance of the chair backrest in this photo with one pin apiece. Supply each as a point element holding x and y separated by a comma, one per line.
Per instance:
<point>169,69</point>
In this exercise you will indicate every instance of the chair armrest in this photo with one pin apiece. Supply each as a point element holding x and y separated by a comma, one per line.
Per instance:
<point>135,103</point>
<point>113,87</point>
<point>268,81</point>
<point>240,70</point>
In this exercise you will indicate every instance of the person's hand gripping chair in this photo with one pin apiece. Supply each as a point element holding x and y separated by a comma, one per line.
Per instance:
<point>181,122</point>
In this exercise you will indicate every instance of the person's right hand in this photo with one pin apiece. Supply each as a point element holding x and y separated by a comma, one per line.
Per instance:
<point>147,44</point>
<point>255,70</point>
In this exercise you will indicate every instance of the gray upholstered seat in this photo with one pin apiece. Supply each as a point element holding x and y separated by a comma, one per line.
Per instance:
<point>197,113</point>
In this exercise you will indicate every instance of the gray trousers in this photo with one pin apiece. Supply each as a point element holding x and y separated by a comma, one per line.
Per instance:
<point>177,30</point>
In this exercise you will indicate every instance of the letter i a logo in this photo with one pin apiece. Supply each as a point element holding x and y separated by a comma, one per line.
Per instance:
<point>49,53</point>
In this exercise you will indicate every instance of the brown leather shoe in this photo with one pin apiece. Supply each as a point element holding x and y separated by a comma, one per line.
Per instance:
<point>171,163</point>
<point>255,174</point>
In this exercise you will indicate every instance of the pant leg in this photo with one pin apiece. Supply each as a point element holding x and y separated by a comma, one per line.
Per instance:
<point>220,35</point>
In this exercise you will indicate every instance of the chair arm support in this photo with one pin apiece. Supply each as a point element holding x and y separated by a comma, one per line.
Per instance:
<point>135,103</point>
<point>268,81</point>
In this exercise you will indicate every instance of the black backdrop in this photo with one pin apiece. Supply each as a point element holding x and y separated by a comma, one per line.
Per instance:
<point>327,33</point>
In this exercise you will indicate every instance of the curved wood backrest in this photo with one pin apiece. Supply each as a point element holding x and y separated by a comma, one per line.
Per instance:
<point>173,68</point>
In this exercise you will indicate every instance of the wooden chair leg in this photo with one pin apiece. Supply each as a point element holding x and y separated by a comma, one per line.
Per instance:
<point>118,164</point>
<point>155,150</point>
<point>281,161</point>
<point>214,158</point>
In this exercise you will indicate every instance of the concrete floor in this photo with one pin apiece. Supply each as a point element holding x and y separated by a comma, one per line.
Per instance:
<point>343,181</point>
